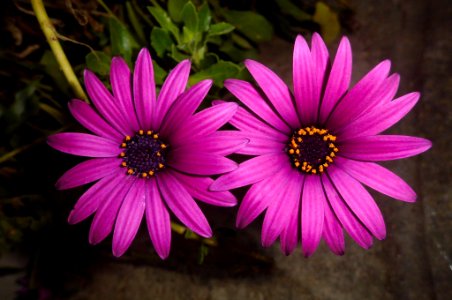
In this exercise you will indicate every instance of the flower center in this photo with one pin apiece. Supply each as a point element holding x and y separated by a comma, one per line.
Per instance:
<point>143,154</point>
<point>311,149</point>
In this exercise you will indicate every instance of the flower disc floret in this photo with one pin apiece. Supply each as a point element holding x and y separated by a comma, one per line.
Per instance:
<point>144,154</point>
<point>311,149</point>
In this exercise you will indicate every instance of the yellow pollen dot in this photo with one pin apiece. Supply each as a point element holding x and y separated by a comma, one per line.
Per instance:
<point>149,132</point>
<point>332,154</point>
<point>331,145</point>
<point>128,138</point>
<point>308,168</point>
<point>314,171</point>
<point>123,145</point>
<point>140,132</point>
<point>291,151</point>
<point>301,132</point>
<point>161,166</point>
<point>151,173</point>
<point>325,165</point>
<point>122,154</point>
<point>297,164</point>
<point>335,149</point>
<point>130,171</point>
<point>320,168</point>
<point>297,151</point>
<point>144,175</point>
<point>155,136</point>
<point>299,140</point>
<point>329,159</point>
<point>123,164</point>
<point>163,146</point>
<point>158,154</point>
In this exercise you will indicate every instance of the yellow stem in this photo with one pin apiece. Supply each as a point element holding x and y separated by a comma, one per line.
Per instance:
<point>52,38</point>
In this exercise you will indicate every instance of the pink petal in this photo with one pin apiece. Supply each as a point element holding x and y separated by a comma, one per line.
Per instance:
<point>383,147</point>
<point>251,171</point>
<point>110,200</point>
<point>289,235</point>
<point>378,178</point>
<point>121,85</point>
<point>205,122</point>
<point>83,144</point>
<point>312,214</point>
<point>182,204</point>
<point>129,218</point>
<point>185,105</point>
<point>198,187</point>
<point>200,163</point>
<point>354,228</point>
<point>261,146</point>
<point>321,60</point>
<point>105,104</point>
<point>276,90</point>
<point>249,124</point>
<point>286,199</point>
<point>246,93</point>
<point>89,201</point>
<point>360,201</point>
<point>144,89</point>
<point>220,142</point>
<point>88,171</point>
<point>85,115</point>
<point>305,84</point>
<point>338,79</point>
<point>387,90</point>
<point>332,231</point>
<point>380,118</point>
<point>258,197</point>
<point>157,220</point>
<point>173,86</point>
<point>360,97</point>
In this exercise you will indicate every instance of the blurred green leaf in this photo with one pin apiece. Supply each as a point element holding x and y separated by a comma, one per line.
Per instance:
<point>242,42</point>
<point>164,20</point>
<point>291,9</point>
<point>136,24</point>
<point>175,9</point>
<point>190,17</point>
<point>253,25</point>
<point>98,62</point>
<point>122,42</point>
<point>209,59</point>
<point>218,72</point>
<point>159,73</point>
<point>52,68</point>
<point>204,17</point>
<point>236,53</point>
<point>160,40</point>
<point>53,112</point>
<point>328,21</point>
<point>220,28</point>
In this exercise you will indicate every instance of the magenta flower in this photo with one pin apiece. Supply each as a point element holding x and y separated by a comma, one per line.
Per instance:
<point>314,151</point>
<point>150,154</point>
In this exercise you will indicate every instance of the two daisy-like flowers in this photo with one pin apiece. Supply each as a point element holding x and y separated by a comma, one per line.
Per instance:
<point>311,151</point>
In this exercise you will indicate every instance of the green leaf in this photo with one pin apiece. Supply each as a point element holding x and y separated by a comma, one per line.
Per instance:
<point>98,62</point>
<point>204,17</point>
<point>160,40</point>
<point>162,18</point>
<point>253,25</point>
<point>328,21</point>
<point>236,53</point>
<point>175,9</point>
<point>220,28</point>
<point>242,42</point>
<point>190,17</point>
<point>218,72</point>
<point>177,55</point>
<point>159,73</point>
<point>122,42</point>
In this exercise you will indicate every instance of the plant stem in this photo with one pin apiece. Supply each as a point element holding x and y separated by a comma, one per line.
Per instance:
<point>52,38</point>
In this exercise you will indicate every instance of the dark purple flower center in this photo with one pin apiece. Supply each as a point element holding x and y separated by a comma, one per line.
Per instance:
<point>144,154</point>
<point>311,149</point>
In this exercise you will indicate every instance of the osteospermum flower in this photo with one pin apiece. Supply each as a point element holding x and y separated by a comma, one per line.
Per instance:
<point>316,149</point>
<point>151,155</point>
